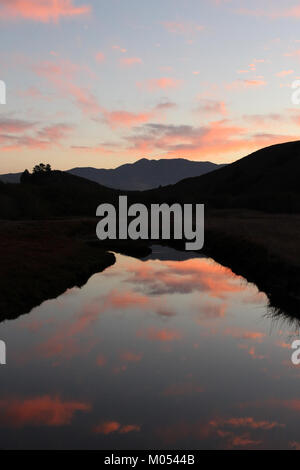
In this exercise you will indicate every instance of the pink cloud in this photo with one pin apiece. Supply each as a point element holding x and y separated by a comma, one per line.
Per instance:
<point>291,12</point>
<point>11,125</point>
<point>208,107</point>
<point>155,334</point>
<point>242,84</point>
<point>44,410</point>
<point>61,75</point>
<point>128,61</point>
<point>244,334</point>
<point>216,138</point>
<point>164,83</point>
<point>284,73</point>
<point>100,57</point>
<point>119,48</point>
<point>16,137</point>
<point>109,427</point>
<point>45,11</point>
<point>125,118</point>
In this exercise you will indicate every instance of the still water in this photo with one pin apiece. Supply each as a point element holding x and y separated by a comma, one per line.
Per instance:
<point>166,352</point>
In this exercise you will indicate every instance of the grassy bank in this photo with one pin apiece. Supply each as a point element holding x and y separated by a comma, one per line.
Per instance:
<point>263,248</point>
<point>41,259</point>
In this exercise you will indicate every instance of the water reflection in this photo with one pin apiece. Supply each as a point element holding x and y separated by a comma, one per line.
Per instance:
<point>155,353</point>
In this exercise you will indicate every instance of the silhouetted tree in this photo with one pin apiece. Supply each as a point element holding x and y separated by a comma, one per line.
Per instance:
<point>25,176</point>
<point>42,168</point>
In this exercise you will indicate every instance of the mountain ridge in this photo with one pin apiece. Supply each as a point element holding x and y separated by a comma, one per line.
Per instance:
<point>267,179</point>
<point>141,175</point>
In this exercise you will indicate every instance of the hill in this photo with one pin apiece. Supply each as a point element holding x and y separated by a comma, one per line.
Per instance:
<point>146,174</point>
<point>53,194</point>
<point>11,178</point>
<point>141,175</point>
<point>267,179</point>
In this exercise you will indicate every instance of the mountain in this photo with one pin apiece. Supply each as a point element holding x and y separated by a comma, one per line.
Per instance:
<point>146,174</point>
<point>10,178</point>
<point>267,179</point>
<point>141,175</point>
<point>53,194</point>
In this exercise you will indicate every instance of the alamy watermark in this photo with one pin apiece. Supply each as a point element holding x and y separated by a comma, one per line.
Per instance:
<point>295,358</point>
<point>2,92</point>
<point>295,98</point>
<point>2,353</point>
<point>159,222</point>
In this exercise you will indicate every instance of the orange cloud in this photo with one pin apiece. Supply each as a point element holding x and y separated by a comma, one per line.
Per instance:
<point>217,427</point>
<point>292,12</point>
<point>61,75</point>
<point>244,84</point>
<point>208,107</point>
<point>251,423</point>
<point>45,11</point>
<point>15,138</point>
<point>11,125</point>
<point>45,410</point>
<point>216,138</point>
<point>244,334</point>
<point>109,427</point>
<point>186,276</point>
<point>120,49</point>
<point>129,428</point>
<point>164,83</point>
<point>284,73</point>
<point>155,334</point>
<point>244,441</point>
<point>127,299</point>
<point>125,118</point>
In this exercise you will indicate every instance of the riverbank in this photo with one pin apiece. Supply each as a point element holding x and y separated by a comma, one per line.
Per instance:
<point>41,259</point>
<point>263,248</point>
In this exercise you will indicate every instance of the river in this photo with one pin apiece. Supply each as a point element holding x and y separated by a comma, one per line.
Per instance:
<point>170,352</point>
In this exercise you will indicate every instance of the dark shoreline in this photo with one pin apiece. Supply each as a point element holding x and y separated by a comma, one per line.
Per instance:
<point>41,259</point>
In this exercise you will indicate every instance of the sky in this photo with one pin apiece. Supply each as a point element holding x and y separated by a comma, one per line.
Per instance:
<point>106,82</point>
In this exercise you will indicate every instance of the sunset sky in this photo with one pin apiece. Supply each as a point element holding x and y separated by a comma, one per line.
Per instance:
<point>104,82</point>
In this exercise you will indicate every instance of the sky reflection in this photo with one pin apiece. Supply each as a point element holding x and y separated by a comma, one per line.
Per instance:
<point>151,354</point>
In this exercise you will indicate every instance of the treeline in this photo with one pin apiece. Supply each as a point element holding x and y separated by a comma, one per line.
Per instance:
<point>50,193</point>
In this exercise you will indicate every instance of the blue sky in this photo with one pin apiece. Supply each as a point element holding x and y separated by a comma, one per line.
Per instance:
<point>101,83</point>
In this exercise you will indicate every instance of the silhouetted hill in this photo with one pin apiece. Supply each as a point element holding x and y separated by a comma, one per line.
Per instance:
<point>11,178</point>
<point>53,194</point>
<point>141,175</point>
<point>264,180</point>
<point>146,174</point>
